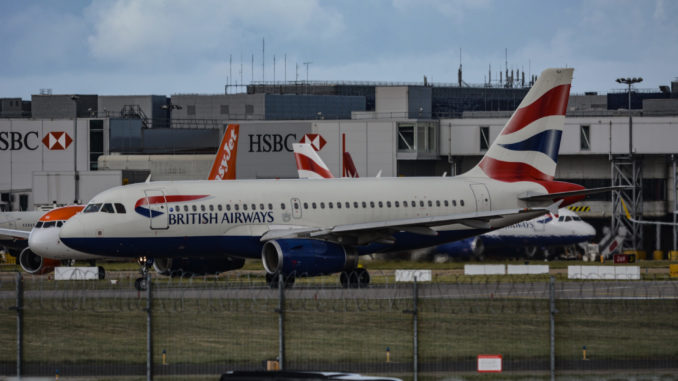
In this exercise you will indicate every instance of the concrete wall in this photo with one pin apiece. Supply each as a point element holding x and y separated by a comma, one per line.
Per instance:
<point>211,106</point>
<point>62,106</point>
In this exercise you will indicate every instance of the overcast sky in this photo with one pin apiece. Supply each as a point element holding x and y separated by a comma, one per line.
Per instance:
<point>112,47</point>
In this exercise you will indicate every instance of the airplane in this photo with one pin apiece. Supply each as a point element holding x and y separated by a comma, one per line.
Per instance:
<point>524,238</point>
<point>44,250</point>
<point>13,223</point>
<point>305,227</point>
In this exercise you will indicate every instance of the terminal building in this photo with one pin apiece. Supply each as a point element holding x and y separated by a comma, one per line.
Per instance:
<point>392,129</point>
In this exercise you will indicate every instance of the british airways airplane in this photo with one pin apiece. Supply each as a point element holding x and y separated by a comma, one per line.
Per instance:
<point>308,227</point>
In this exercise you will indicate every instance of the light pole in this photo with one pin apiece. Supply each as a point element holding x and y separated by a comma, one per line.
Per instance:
<point>76,177</point>
<point>629,82</point>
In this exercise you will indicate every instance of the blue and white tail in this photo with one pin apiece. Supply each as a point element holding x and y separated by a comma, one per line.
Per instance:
<point>527,147</point>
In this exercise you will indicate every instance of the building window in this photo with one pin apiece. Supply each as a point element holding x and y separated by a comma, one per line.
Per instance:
<point>224,110</point>
<point>406,138</point>
<point>249,110</point>
<point>190,110</point>
<point>484,138</point>
<point>96,143</point>
<point>585,137</point>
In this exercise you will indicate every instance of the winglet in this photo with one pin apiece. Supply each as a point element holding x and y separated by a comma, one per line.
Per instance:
<point>148,179</point>
<point>553,208</point>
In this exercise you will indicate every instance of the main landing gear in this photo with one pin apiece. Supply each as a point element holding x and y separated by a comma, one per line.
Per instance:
<point>141,284</point>
<point>356,278</point>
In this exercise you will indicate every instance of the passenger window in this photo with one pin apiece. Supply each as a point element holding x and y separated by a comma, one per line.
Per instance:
<point>421,203</point>
<point>454,202</point>
<point>364,204</point>
<point>211,208</point>
<point>446,203</point>
<point>244,206</point>
<point>107,208</point>
<point>414,204</point>
<point>38,225</point>
<point>381,205</point>
<point>120,208</point>
<point>371,204</point>
<point>296,205</point>
<point>219,207</point>
<point>254,206</point>
<point>322,205</point>
<point>202,208</point>
<point>355,204</point>
<point>261,206</point>
<point>314,205</point>
<point>397,204</point>
<point>185,208</point>
<point>438,203</point>
<point>270,206</point>
<point>92,208</point>
<point>329,204</point>
<point>236,207</point>
<point>282,206</point>
<point>228,207</point>
<point>430,203</point>
<point>306,205</point>
<point>348,205</point>
<point>338,205</point>
<point>461,202</point>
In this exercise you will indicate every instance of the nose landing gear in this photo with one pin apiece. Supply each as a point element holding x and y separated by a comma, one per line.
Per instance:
<point>141,284</point>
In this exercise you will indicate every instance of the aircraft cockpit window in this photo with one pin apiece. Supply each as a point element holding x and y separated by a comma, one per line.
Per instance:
<point>92,208</point>
<point>120,208</point>
<point>60,224</point>
<point>568,219</point>
<point>107,208</point>
<point>49,224</point>
<point>561,218</point>
<point>38,225</point>
<point>576,218</point>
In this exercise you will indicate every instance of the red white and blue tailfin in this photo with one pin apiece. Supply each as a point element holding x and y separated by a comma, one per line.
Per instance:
<point>223,167</point>
<point>309,164</point>
<point>527,147</point>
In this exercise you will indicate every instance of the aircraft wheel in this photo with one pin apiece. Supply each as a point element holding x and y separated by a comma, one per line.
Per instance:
<point>363,277</point>
<point>140,284</point>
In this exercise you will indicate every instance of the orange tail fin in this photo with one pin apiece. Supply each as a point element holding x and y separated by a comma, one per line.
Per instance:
<point>224,162</point>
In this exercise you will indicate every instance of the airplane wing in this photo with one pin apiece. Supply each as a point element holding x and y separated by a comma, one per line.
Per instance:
<point>364,233</point>
<point>15,233</point>
<point>582,192</point>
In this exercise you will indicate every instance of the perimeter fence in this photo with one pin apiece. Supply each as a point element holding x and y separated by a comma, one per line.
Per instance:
<point>206,326</point>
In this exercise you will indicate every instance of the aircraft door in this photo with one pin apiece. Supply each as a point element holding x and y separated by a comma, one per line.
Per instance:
<point>156,203</point>
<point>296,207</point>
<point>482,195</point>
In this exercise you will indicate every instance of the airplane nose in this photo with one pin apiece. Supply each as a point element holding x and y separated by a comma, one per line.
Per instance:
<point>73,228</point>
<point>38,242</point>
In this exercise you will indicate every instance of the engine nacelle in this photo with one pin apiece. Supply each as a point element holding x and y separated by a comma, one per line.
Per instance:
<point>196,265</point>
<point>470,247</point>
<point>307,257</point>
<point>35,264</point>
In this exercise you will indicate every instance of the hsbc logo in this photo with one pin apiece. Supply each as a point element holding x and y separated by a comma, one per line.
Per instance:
<point>57,140</point>
<point>315,140</point>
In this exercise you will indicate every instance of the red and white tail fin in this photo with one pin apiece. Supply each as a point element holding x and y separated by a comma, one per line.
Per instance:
<point>349,167</point>
<point>527,147</point>
<point>309,164</point>
<point>223,167</point>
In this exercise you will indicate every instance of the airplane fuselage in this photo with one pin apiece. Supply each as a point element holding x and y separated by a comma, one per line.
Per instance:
<point>165,219</point>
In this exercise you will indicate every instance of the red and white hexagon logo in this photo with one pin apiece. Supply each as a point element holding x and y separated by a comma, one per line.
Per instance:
<point>57,140</point>
<point>315,140</point>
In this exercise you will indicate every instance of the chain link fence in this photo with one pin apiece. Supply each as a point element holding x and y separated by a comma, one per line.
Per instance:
<point>202,327</point>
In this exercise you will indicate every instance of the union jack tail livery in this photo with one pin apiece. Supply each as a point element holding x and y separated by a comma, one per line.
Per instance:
<point>527,147</point>
<point>309,164</point>
<point>224,163</point>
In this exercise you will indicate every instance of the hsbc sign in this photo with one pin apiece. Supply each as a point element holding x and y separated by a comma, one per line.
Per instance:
<point>17,141</point>
<point>57,140</point>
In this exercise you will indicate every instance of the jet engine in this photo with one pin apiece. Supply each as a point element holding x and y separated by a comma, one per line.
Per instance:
<point>307,257</point>
<point>35,264</point>
<point>470,247</point>
<point>196,265</point>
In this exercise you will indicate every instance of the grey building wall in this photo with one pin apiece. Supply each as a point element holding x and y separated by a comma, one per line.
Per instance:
<point>219,107</point>
<point>10,108</point>
<point>151,107</point>
<point>62,106</point>
<point>312,106</point>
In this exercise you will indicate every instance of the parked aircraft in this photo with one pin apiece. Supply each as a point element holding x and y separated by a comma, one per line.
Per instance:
<point>14,228</point>
<point>524,238</point>
<point>45,250</point>
<point>308,227</point>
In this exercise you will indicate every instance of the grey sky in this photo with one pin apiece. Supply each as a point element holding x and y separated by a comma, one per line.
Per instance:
<point>164,47</point>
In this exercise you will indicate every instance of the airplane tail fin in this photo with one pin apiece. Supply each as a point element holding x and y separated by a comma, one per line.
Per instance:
<point>223,167</point>
<point>309,163</point>
<point>527,147</point>
<point>349,167</point>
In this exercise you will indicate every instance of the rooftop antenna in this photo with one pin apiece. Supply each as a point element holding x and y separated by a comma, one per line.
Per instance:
<point>459,71</point>
<point>252,76</point>
<point>274,69</point>
<point>230,68</point>
<point>263,55</point>
<point>307,63</point>
<point>285,75</point>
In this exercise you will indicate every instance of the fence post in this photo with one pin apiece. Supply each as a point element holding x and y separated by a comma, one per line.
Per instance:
<point>416,332</point>
<point>552,304</point>
<point>19,323</point>
<point>149,329</point>
<point>281,321</point>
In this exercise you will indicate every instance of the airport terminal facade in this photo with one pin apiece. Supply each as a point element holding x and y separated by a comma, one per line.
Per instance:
<point>391,129</point>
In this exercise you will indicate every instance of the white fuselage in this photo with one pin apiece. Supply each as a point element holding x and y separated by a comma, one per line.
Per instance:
<point>233,215</point>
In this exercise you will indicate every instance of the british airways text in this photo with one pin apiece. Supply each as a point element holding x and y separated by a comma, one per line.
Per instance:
<point>219,218</point>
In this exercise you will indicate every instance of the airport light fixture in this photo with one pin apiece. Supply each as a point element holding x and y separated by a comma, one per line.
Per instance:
<point>169,107</point>
<point>630,81</point>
